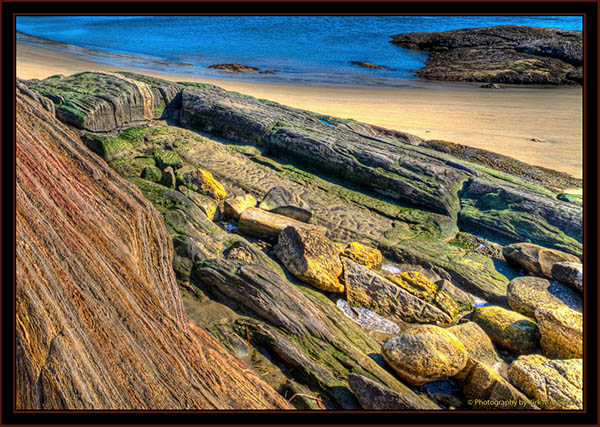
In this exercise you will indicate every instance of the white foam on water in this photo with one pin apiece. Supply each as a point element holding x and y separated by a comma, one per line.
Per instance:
<point>391,268</point>
<point>367,318</point>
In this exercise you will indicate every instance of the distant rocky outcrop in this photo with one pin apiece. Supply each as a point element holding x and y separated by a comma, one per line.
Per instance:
<point>503,54</point>
<point>365,64</point>
<point>100,322</point>
<point>234,68</point>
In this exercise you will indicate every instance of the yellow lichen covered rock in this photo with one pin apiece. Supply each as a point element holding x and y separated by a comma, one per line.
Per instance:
<point>235,206</point>
<point>425,353</point>
<point>562,332</point>
<point>478,344</point>
<point>310,257</point>
<point>267,225</point>
<point>415,283</point>
<point>486,389</point>
<point>553,384</point>
<point>508,329</point>
<point>204,182</point>
<point>369,257</point>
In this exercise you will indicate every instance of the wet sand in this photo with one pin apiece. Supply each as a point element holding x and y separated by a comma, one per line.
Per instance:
<point>540,126</point>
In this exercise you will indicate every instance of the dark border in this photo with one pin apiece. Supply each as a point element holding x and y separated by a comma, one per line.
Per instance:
<point>587,8</point>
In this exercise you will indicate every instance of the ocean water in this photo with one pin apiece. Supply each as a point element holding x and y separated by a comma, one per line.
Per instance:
<point>303,49</point>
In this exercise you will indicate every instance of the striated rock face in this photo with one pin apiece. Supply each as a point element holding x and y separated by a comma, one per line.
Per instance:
<point>502,54</point>
<point>99,319</point>
<point>385,167</point>
<point>377,397</point>
<point>101,102</point>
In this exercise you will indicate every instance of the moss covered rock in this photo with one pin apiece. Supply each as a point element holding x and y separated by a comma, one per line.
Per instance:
<point>425,353</point>
<point>364,255</point>
<point>205,203</point>
<point>168,177</point>
<point>553,384</point>
<point>151,173</point>
<point>310,257</point>
<point>508,329</point>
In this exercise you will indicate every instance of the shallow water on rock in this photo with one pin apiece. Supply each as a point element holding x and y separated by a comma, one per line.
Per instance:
<point>391,268</point>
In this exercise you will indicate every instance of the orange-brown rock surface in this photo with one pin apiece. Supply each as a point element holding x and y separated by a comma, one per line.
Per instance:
<point>99,318</point>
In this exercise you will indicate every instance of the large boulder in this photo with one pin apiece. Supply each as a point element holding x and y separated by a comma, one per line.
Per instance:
<point>526,294</point>
<point>568,273</point>
<point>534,259</point>
<point>234,207</point>
<point>364,255</point>
<point>266,225</point>
<point>310,257</point>
<point>508,329</point>
<point>281,201</point>
<point>376,397</point>
<point>562,332</point>
<point>365,288</point>
<point>425,353</point>
<point>552,384</point>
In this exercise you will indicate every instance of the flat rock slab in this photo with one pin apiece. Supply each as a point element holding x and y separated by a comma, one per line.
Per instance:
<point>527,293</point>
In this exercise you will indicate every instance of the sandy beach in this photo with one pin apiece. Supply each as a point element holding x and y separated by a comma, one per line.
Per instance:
<point>540,126</point>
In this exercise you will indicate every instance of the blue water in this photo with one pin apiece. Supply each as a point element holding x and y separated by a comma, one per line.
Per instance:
<point>302,49</point>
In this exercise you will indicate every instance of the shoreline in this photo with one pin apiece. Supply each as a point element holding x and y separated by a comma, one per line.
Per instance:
<point>510,121</point>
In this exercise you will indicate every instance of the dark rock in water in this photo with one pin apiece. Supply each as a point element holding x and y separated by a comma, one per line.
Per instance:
<point>503,54</point>
<point>369,65</point>
<point>365,288</point>
<point>490,86</point>
<point>568,273</point>
<point>283,202</point>
<point>109,100</point>
<point>234,68</point>
<point>268,72</point>
<point>374,396</point>
<point>517,215</point>
<point>534,259</point>
<point>101,324</point>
